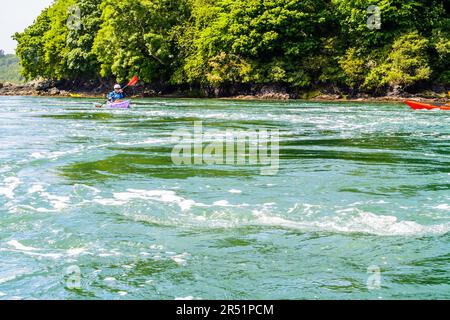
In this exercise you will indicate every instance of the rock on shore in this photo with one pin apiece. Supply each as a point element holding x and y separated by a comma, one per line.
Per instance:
<point>33,88</point>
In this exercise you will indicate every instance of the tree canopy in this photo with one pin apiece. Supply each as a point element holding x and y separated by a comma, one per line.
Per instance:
<point>214,43</point>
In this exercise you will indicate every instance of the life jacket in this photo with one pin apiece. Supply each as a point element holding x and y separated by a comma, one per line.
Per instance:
<point>113,96</point>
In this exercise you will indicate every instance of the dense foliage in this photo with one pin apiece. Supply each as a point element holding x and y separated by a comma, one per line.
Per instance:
<point>9,68</point>
<point>216,43</point>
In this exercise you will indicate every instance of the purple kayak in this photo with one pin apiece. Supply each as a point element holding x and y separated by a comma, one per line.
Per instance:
<point>119,105</point>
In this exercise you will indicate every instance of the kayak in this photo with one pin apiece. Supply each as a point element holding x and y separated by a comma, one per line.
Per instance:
<point>119,105</point>
<point>425,106</point>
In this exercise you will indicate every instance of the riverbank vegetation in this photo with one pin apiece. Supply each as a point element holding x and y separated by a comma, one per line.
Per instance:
<point>229,46</point>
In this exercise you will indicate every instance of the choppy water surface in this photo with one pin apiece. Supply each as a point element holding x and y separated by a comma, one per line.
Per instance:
<point>360,186</point>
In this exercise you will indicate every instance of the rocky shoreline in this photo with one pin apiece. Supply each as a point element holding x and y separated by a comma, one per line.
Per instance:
<point>48,88</point>
<point>33,88</point>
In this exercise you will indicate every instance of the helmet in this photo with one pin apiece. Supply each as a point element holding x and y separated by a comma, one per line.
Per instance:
<point>117,86</point>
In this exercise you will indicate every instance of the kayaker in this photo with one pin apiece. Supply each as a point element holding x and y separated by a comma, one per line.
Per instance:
<point>117,94</point>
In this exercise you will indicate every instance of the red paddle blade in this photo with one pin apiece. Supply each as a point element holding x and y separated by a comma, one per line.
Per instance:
<point>133,81</point>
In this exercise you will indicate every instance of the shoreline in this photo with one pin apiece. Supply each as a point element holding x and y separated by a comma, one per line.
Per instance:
<point>382,99</point>
<point>37,89</point>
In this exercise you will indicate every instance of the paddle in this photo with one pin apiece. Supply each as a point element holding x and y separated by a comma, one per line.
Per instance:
<point>132,83</point>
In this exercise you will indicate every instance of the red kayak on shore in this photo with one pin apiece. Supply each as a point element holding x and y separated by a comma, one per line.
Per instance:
<point>425,106</point>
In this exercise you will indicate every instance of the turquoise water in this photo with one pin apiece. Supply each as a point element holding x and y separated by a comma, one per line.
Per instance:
<point>361,196</point>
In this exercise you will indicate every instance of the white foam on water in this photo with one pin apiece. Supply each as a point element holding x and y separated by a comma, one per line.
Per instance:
<point>269,204</point>
<point>443,206</point>
<point>37,155</point>
<point>235,191</point>
<point>32,251</point>
<point>82,187</point>
<point>54,155</point>
<point>111,253</point>
<point>222,203</point>
<point>9,185</point>
<point>35,188</point>
<point>165,196</point>
<point>185,298</point>
<point>150,141</point>
<point>5,168</point>
<point>6,279</point>
<point>364,222</point>
<point>109,202</point>
<point>17,245</point>
<point>307,216</point>
<point>180,259</point>
<point>304,209</point>
<point>104,255</point>
<point>43,210</point>
<point>75,251</point>
<point>58,202</point>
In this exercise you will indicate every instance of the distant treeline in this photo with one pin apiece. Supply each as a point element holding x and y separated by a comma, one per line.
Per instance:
<point>9,68</point>
<point>361,45</point>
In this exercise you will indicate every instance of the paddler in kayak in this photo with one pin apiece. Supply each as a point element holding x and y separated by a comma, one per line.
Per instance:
<point>116,95</point>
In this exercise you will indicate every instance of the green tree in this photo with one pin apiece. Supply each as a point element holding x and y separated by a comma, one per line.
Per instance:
<point>214,43</point>
<point>59,43</point>
<point>270,39</point>
<point>9,68</point>
<point>82,63</point>
<point>135,38</point>
<point>406,64</point>
<point>31,47</point>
